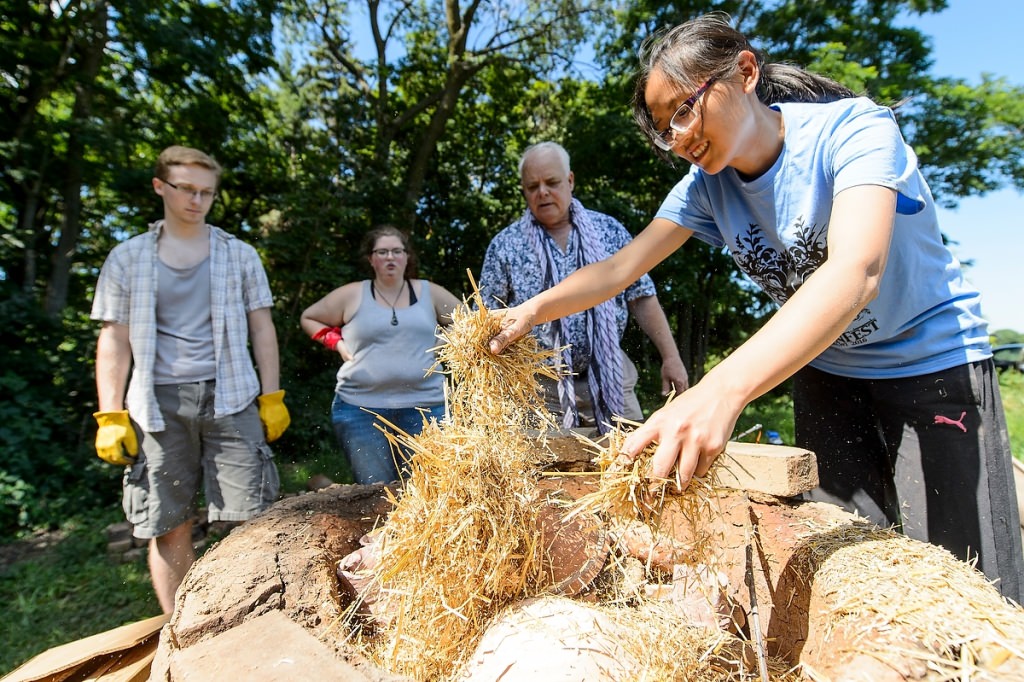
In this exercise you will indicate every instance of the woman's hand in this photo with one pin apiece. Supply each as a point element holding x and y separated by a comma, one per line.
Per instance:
<point>343,351</point>
<point>691,431</point>
<point>515,323</point>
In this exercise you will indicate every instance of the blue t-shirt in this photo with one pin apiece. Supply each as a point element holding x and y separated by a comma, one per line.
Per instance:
<point>926,318</point>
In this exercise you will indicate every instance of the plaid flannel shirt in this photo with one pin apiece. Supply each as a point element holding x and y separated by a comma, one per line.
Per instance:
<point>126,294</point>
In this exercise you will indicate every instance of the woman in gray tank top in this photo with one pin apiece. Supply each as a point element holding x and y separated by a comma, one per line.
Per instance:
<point>383,328</point>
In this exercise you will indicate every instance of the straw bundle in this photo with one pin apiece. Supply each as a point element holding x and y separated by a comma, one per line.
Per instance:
<point>461,545</point>
<point>910,605</point>
<point>626,493</point>
<point>461,548</point>
<point>496,390</point>
<point>461,542</point>
<point>667,647</point>
<point>630,500</point>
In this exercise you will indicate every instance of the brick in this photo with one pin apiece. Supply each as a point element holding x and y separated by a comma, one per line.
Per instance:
<point>780,470</point>
<point>119,546</point>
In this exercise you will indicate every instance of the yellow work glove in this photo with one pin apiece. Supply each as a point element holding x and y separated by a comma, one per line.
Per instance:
<point>115,439</point>
<point>273,414</point>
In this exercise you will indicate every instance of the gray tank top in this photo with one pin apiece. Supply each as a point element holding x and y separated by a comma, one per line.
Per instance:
<point>389,361</point>
<point>184,330</point>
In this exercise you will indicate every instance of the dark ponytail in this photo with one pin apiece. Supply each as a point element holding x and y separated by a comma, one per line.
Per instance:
<point>789,83</point>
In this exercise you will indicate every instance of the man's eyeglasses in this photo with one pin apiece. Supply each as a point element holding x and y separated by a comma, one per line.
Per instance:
<point>384,253</point>
<point>203,194</point>
<point>681,120</point>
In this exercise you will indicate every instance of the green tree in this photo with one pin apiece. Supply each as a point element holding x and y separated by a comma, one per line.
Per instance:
<point>968,138</point>
<point>91,88</point>
<point>418,74</point>
<point>90,92</point>
<point>337,116</point>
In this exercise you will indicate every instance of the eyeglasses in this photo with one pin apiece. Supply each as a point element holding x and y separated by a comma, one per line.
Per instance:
<point>202,194</point>
<point>681,120</point>
<point>384,253</point>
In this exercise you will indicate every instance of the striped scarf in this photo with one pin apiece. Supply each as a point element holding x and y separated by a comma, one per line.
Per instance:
<point>604,373</point>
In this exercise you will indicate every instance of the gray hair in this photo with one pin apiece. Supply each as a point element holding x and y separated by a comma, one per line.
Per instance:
<point>547,146</point>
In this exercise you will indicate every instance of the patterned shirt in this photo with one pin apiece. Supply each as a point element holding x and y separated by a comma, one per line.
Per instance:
<point>126,294</point>
<point>512,273</point>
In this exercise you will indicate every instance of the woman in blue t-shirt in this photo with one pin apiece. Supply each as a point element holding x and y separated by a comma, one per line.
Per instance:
<point>821,202</point>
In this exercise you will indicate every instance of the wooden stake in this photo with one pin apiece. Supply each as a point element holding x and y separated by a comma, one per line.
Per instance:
<point>755,621</point>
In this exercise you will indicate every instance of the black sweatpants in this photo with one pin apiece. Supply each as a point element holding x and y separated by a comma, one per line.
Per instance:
<point>929,455</point>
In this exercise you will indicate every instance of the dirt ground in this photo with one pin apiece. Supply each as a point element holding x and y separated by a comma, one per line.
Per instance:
<point>37,545</point>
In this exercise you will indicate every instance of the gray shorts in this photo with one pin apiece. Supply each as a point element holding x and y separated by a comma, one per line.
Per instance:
<point>228,455</point>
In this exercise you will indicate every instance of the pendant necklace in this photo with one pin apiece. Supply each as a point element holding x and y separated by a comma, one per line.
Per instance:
<point>394,315</point>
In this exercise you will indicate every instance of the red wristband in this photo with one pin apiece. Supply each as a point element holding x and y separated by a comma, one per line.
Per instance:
<point>329,336</point>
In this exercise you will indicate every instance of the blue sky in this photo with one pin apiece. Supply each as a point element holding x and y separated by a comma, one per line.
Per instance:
<point>970,38</point>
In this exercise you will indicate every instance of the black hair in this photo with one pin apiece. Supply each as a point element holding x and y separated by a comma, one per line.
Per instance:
<point>709,47</point>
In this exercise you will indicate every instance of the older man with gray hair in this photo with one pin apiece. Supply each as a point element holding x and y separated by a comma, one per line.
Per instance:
<point>555,237</point>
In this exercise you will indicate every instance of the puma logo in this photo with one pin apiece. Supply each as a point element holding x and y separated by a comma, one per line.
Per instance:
<point>959,423</point>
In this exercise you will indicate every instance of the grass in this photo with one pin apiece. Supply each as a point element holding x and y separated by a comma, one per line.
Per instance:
<point>1011,386</point>
<point>70,592</point>
<point>75,590</point>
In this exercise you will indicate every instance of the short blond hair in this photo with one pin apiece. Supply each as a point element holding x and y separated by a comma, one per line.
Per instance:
<point>176,155</point>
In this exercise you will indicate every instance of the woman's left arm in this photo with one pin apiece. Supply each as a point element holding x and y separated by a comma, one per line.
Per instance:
<point>693,429</point>
<point>444,303</point>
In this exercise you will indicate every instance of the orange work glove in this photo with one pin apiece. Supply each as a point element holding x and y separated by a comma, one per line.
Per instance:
<point>115,439</point>
<point>273,414</point>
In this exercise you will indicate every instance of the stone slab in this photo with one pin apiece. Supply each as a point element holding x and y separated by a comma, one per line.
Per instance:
<point>270,648</point>
<point>780,470</point>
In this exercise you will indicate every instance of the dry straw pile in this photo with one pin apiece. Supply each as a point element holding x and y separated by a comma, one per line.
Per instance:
<point>912,606</point>
<point>461,549</point>
<point>461,544</point>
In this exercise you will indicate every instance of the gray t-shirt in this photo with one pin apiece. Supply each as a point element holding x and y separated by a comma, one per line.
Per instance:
<point>389,361</point>
<point>184,328</point>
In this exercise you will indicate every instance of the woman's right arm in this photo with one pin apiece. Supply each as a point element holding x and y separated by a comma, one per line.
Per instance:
<point>329,311</point>
<point>594,283</point>
<point>333,310</point>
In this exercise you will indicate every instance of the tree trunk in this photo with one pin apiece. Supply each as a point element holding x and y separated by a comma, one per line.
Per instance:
<point>92,57</point>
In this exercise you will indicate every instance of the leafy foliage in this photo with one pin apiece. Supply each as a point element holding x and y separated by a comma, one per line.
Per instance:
<point>330,117</point>
<point>48,469</point>
<point>1011,388</point>
<point>968,137</point>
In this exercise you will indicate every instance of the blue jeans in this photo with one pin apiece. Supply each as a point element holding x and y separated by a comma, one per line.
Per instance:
<point>367,448</point>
